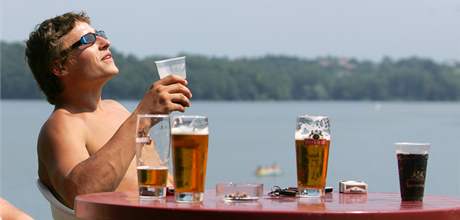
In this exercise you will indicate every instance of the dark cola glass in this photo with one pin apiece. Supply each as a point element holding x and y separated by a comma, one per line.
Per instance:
<point>412,163</point>
<point>412,173</point>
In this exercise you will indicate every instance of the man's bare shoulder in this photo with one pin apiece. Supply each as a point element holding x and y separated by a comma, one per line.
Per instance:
<point>63,119</point>
<point>114,104</point>
<point>61,126</point>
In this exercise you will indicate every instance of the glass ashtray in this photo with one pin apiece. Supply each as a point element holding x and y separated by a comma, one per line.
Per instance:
<point>239,192</point>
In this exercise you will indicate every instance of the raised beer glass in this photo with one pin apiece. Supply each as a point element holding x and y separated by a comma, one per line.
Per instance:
<point>412,161</point>
<point>153,140</point>
<point>190,153</point>
<point>312,140</point>
<point>175,66</point>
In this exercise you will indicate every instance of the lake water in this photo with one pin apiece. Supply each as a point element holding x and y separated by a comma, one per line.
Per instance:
<point>244,135</point>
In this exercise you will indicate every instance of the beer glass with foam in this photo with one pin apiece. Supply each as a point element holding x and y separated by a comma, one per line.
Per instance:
<point>312,141</point>
<point>153,140</point>
<point>412,162</point>
<point>190,153</point>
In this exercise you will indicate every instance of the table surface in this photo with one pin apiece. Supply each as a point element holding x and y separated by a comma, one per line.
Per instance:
<point>126,205</point>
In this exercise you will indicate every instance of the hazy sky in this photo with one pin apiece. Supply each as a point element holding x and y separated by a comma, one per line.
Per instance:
<point>364,29</point>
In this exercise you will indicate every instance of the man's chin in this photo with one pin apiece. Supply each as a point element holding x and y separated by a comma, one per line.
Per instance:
<point>114,70</point>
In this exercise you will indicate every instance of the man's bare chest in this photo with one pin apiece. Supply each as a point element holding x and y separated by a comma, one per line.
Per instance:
<point>101,131</point>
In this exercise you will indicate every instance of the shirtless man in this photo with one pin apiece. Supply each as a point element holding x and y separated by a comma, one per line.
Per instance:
<point>87,143</point>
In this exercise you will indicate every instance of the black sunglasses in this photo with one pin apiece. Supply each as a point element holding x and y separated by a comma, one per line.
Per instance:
<point>88,38</point>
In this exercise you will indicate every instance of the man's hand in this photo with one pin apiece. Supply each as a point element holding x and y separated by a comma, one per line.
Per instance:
<point>165,95</point>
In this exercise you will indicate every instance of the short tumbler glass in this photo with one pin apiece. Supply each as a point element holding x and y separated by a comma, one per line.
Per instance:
<point>153,142</point>
<point>412,163</point>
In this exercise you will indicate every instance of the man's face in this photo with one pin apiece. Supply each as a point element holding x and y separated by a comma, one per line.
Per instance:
<point>90,62</point>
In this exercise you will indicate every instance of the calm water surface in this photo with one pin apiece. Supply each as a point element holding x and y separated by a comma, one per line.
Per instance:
<point>244,135</point>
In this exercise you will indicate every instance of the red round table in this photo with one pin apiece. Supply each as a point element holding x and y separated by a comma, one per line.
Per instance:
<point>126,205</point>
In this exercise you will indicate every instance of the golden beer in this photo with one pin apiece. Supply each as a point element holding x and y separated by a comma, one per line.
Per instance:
<point>152,181</point>
<point>152,176</point>
<point>312,157</point>
<point>190,154</point>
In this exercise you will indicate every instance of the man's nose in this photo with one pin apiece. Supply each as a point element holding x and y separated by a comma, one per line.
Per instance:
<point>104,43</point>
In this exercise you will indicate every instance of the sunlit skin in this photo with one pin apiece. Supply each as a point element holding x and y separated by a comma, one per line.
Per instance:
<point>10,212</point>
<point>87,143</point>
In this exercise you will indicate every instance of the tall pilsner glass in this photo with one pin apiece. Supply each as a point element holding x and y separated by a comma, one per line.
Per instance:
<point>312,140</point>
<point>190,153</point>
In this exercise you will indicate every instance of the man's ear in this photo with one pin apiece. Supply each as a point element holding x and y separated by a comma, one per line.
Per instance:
<point>58,69</point>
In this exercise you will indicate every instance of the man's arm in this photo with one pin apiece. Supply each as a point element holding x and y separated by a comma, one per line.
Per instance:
<point>72,171</point>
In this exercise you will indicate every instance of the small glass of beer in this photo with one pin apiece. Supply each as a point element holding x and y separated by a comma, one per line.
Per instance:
<point>190,153</point>
<point>153,140</point>
<point>312,140</point>
<point>412,161</point>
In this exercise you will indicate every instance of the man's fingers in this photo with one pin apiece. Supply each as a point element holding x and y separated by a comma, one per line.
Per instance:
<point>180,99</point>
<point>168,94</point>
<point>179,88</point>
<point>176,107</point>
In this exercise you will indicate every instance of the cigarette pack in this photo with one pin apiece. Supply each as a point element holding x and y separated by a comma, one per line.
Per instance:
<point>351,186</point>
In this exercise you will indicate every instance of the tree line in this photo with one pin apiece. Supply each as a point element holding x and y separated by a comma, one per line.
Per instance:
<point>270,77</point>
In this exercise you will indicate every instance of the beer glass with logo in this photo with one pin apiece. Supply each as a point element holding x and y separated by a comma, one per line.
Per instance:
<point>190,153</point>
<point>412,161</point>
<point>312,140</point>
<point>153,141</point>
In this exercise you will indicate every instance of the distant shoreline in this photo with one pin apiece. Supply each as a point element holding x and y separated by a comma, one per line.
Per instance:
<point>267,78</point>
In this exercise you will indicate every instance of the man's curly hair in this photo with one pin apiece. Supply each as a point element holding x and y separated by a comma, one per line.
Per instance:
<point>44,50</point>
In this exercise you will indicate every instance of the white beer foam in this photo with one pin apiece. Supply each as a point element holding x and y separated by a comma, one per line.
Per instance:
<point>152,167</point>
<point>412,148</point>
<point>299,135</point>
<point>189,131</point>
